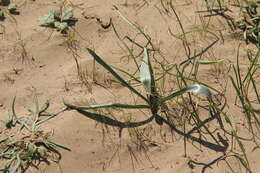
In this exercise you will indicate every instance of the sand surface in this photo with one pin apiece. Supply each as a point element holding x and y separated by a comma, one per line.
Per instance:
<point>38,62</point>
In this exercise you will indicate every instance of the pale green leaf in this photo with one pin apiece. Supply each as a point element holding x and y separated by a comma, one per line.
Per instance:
<point>68,14</point>
<point>61,26</point>
<point>56,24</point>
<point>198,89</point>
<point>49,19</point>
<point>12,7</point>
<point>145,75</point>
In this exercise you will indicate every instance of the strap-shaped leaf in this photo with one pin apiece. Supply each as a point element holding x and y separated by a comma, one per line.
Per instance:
<point>145,73</point>
<point>107,105</point>
<point>109,121</point>
<point>198,89</point>
<point>119,78</point>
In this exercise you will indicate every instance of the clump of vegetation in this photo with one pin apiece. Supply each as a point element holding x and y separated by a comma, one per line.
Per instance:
<point>248,19</point>
<point>59,19</point>
<point>188,116</point>
<point>153,99</point>
<point>24,144</point>
<point>7,6</point>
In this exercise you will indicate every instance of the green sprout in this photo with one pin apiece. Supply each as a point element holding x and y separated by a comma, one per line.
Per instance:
<point>59,20</point>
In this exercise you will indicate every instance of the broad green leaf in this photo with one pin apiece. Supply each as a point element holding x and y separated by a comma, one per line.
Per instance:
<point>68,14</point>
<point>49,19</point>
<point>56,24</point>
<point>108,105</point>
<point>198,89</point>
<point>145,75</point>
<point>119,78</point>
<point>12,7</point>
<point>61,26</point>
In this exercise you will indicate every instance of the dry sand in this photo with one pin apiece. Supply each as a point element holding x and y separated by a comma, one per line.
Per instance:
<point>48,71</point>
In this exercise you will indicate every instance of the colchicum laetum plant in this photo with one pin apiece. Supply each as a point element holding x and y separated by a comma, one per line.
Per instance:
<point>152,99</point>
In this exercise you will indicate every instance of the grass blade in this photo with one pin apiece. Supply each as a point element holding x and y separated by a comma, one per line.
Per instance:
<point>199,54</point>
<point>128,74</point>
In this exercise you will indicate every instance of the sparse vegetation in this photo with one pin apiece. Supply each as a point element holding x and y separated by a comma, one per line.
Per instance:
<point>23,143</point>
<point>246,20</point>
<point>190,83</point>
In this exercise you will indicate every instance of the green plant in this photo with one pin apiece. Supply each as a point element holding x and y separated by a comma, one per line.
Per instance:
<point>11,7</point>
<point>60,20</point>
<point>160,107</point>
<point>245,86</point>
<point>156,104</point>
<point>24,144</point>
<point>152,98</point>
<point>248,20</point>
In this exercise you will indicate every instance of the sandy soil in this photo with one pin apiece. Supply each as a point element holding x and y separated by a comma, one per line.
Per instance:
<point>37,62</point>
